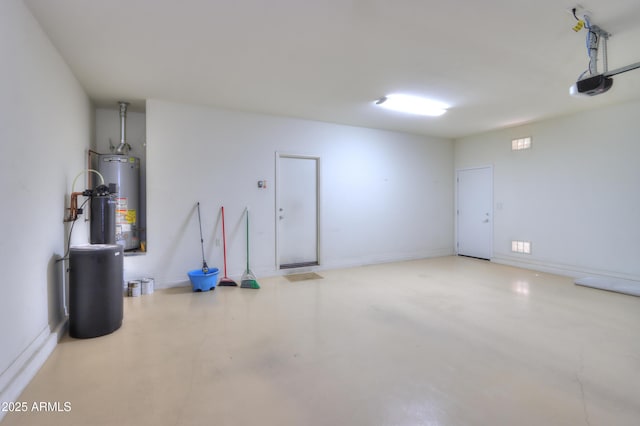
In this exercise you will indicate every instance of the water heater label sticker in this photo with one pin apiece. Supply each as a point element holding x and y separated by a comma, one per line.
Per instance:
<point>131,216</point>
<point>126,228</point>
<point>122,203</point>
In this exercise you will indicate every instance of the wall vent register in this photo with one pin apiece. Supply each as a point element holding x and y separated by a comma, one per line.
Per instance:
<point>521,247</point>
<point>520,144</point>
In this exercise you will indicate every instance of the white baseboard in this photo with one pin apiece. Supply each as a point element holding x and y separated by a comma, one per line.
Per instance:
<point>572,271</point>
<point>16,378</point>
<point>351,262</point>
<point>354,262</point>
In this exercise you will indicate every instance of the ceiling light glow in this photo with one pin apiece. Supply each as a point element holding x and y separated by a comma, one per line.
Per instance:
<point>412,105</point>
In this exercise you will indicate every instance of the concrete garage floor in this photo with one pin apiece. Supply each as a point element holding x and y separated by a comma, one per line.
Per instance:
<point>446,341</point>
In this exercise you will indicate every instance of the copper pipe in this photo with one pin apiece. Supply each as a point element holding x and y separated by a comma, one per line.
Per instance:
<point>73,207</point>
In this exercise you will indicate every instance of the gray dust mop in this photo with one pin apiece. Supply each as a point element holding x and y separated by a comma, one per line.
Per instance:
<point>205,268</point>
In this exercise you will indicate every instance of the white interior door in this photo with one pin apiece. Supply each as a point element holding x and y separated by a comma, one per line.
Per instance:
<point>475,212</point>
<point>297,211</point>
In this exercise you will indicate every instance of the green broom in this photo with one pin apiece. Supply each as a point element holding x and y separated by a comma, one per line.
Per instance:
<point>248,279</point>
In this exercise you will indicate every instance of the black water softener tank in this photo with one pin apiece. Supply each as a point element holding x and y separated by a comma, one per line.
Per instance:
<point>103,216</point>
<point>95,289</point>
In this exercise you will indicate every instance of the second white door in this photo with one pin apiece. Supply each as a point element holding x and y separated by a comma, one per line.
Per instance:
<point>297,211</point>
<point>475,212</point>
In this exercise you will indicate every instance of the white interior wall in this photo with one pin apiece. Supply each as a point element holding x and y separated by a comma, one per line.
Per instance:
<point>384,196</point>
<point>45,129</point>
<point>574,195</point>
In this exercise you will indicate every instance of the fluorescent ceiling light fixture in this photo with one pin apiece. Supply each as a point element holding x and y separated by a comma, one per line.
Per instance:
<point>412,105</point>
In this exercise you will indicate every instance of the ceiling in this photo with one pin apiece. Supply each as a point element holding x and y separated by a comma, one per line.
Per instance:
<point>498,63</point>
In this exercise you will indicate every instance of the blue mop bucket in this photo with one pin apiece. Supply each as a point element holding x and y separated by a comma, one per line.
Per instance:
<point>203,282</point>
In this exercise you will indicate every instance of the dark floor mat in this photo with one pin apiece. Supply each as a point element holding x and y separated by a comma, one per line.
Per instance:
<point>303,277</point>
